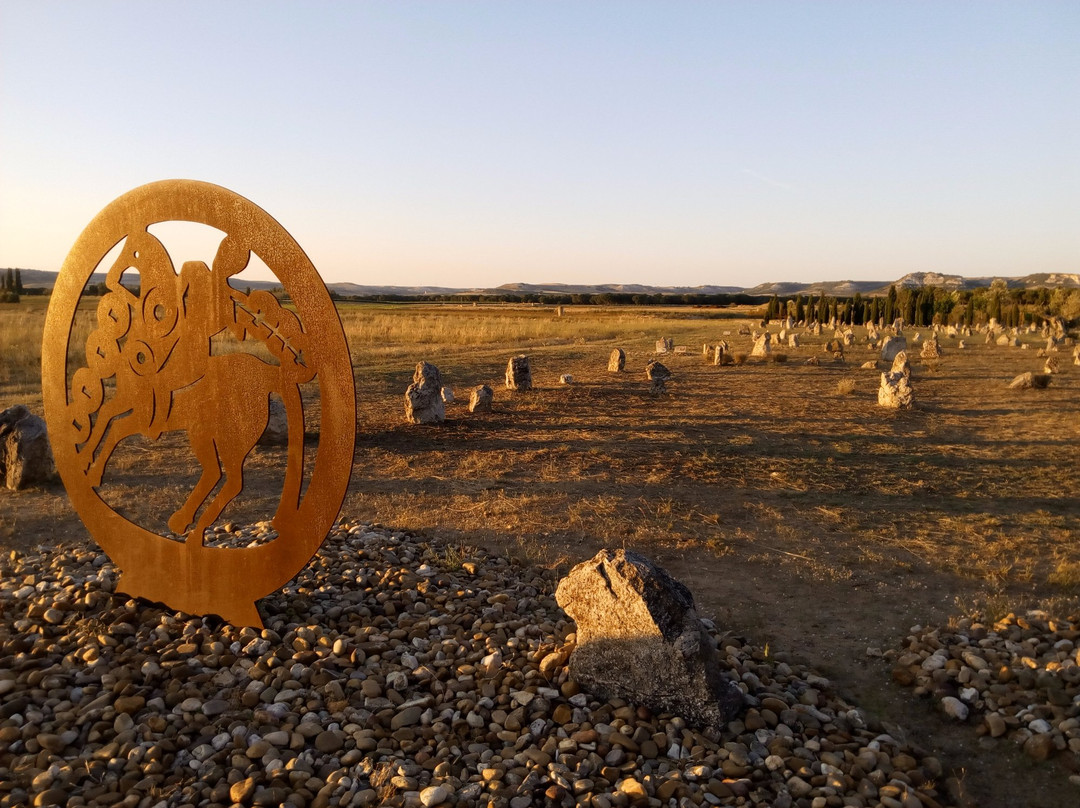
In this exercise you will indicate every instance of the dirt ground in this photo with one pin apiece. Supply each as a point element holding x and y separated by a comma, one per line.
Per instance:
<point>799,514</point>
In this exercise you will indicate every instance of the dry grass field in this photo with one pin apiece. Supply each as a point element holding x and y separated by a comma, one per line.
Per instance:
<point>798,511</point>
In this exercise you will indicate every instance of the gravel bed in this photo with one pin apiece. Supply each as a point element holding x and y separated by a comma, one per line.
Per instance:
<point>1016,679</point>
<point>391,671</point>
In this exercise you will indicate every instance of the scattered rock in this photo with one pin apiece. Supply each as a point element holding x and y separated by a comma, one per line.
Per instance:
<point>954,708</point>
<point>892,346</point>
<point>423,398</point>
<point>518,373</point>
<point>639,638</point>
<point>1021,674</point>
<point>25,455</point>
<point>1029,380</point>
<point>664,345</point>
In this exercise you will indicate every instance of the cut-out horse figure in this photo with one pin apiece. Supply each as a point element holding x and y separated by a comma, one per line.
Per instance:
<point>158,347</point>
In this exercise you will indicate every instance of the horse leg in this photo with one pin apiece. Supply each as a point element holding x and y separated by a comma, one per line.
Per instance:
<point>202,446</point>
<point>116,420</point>
<point>249,414</point>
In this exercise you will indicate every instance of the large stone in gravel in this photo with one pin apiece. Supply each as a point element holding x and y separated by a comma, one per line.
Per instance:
<point>423,398</point>
<point>640,639</point>
<point>25,454</point>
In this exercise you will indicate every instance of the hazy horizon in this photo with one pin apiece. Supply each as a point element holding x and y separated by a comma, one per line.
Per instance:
<point>476,144</point>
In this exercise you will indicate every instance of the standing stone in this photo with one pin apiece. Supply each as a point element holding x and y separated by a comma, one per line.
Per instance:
<point>1076,355</point>
<point>793,340</point>
<point>481,398</point>
<point>277,425</point>
<point>423,398</point>
<point>1051,365</point>
<point>657,375</point>
<point>518,373</point>
<point>892,346</point>
<point>566,378</point>
<point>25,454</point>
<point>448,395</point>
<point>719,352</point>
<point>762,345</point>
<point>640,639</point>
<point>895,389</point>
<point>961,345</point>
<point>931,349</point>
<point>617,361</point>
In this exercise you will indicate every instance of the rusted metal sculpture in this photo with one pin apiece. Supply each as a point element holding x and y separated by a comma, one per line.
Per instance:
<point>149,369</point>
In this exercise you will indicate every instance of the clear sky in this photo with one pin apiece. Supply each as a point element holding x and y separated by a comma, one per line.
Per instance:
<point>478,143</point>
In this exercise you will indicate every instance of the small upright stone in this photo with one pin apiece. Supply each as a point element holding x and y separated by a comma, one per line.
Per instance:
<point>665,345</point>
<point>277,426</point>
<point>423,399</point>
<point>657,375</point>
<point>617,361</point>
<point>480,399</point>
<point>518,373</point>
<point>1051,365</point>
<point>566,378</point>
<point>448,395</point>
<point>25,454</point>
<point>895,389</point>
<point>762,345</point>
<point>931,349</point>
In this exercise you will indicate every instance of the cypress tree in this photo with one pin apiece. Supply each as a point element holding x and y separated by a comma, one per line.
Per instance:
<point>18,280</point>
<point>9,282</point>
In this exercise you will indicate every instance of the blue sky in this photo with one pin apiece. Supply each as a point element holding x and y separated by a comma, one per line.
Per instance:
<point>478,143</point>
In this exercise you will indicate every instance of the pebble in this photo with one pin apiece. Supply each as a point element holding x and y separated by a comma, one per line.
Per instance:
<point>387,676</point>
<point>1020,677</point>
